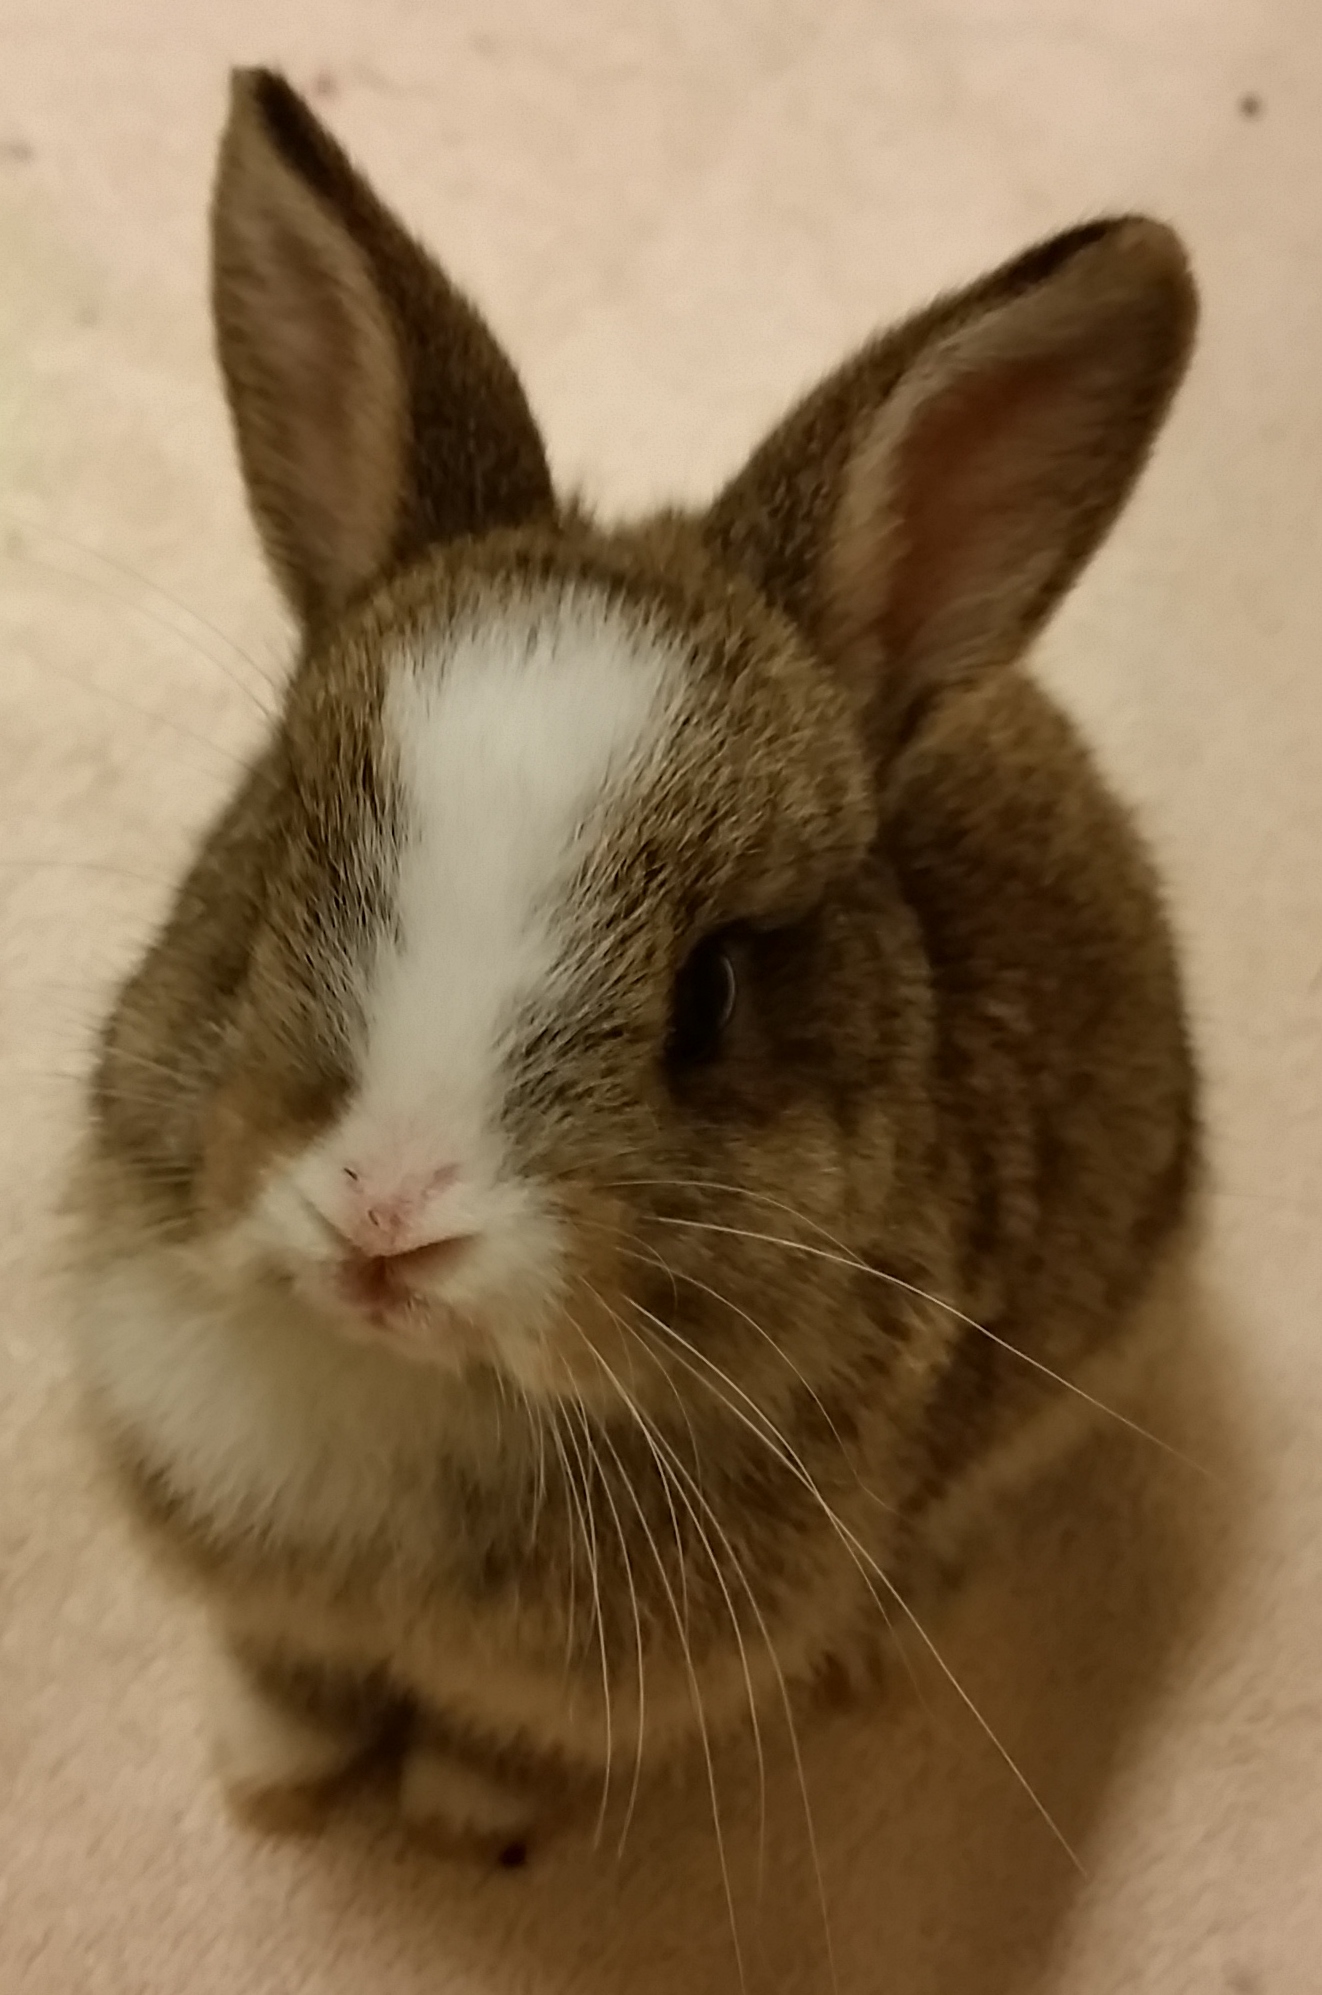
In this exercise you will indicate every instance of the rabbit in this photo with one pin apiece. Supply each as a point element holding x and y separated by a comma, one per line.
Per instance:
<point>669,1076</point>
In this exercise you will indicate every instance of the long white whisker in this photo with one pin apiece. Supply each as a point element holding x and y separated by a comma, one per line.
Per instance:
<point>134,575</point>
<point>533,1415</point>
<point>870,1493</point>
<point>637,1614</point>
<point>680,1274</point>
<point>42,862</point>
<point>594,1568</point>
<point>766,1432</point>
<point>151,714</point>
<point>774,1437</point>
<point>658,1441</point>
<point>611,1505</point>
<point>573,1518</point>
<point>680,1401</point>
<point>652,1439</point>
<point>786,1702</point>
<point>502,1396</point>
<point>966,1700</point>
<point>848,1260</point>
<point>699,1709</point>
<point>859,1551</point>
<point>539,1417</point>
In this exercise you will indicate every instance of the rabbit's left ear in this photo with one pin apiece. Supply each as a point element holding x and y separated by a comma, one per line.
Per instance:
<point>375,413</point>
<point>921,513</point>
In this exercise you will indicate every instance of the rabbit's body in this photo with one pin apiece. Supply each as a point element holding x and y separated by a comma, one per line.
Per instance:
<point>672,1046</point>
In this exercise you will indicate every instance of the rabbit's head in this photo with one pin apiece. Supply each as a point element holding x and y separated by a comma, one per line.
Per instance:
<point>549,964</point>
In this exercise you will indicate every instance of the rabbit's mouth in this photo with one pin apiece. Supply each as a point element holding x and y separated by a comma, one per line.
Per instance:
<point>392,1299</point>
<point>403,1305</point>
<point>383,1286</point>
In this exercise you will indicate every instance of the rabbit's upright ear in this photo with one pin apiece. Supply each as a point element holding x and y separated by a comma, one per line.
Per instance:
<point>375,413</point>
<point>921,513</point>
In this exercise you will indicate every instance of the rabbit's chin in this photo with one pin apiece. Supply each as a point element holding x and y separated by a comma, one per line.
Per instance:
<point>421,1330</point>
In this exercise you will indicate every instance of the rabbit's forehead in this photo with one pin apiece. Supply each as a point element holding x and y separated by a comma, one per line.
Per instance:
<point>508,730</point>
<point>510,739</point>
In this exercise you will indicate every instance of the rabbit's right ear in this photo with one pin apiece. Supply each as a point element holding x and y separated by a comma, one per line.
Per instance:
<point>375,413</point>
<point>924,510</point>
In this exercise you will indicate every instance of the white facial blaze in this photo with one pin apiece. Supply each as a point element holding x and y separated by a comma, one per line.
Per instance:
<point>506,740</point>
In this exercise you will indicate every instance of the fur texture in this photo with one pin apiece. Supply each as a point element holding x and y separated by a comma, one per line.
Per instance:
<point>662,996</point>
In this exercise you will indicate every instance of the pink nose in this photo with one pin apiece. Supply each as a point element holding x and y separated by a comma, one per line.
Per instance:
<point>383,1221</point>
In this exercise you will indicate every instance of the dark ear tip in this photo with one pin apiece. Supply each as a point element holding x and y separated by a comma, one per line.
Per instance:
<point>1149,258</point>
<point>1157,248</point>
<point>266,111</point>
<point>1158,266</point>
<point>1137,245</point>
<point>265,98</point>
<point>257,87</point>
<point>1131,265</point>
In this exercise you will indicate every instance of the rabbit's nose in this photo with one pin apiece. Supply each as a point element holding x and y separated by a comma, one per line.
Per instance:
<point>389,1219</point>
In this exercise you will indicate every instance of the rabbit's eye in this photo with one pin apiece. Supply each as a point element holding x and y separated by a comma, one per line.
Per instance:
<point>705,996</point>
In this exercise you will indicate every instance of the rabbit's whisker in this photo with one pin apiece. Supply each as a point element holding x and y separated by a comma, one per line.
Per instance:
<point>536,1418</point>
<point>841,1444</point>
<point>772,1438</point>
<point>639,1648</point>
<point>589,1521</point>
<point>575,1529</point>
<point>149,714</point>
<point>699,1708</point>
<point>679,1471</point>
<point>844,1258</point>
<point>655,1443</point>
<point>41,862</point>
<point>117,567</point>
<point>755,1419</point>
<point>678,1476</point>
<point>681,1274</point>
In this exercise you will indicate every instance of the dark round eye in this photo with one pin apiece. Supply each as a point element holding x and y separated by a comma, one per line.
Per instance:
<point>706,992</point>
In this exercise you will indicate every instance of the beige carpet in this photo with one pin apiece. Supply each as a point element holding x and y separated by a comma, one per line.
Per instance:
<point>676,215</point>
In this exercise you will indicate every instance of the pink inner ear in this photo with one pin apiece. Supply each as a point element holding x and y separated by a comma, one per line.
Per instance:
<point>980,499</point>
